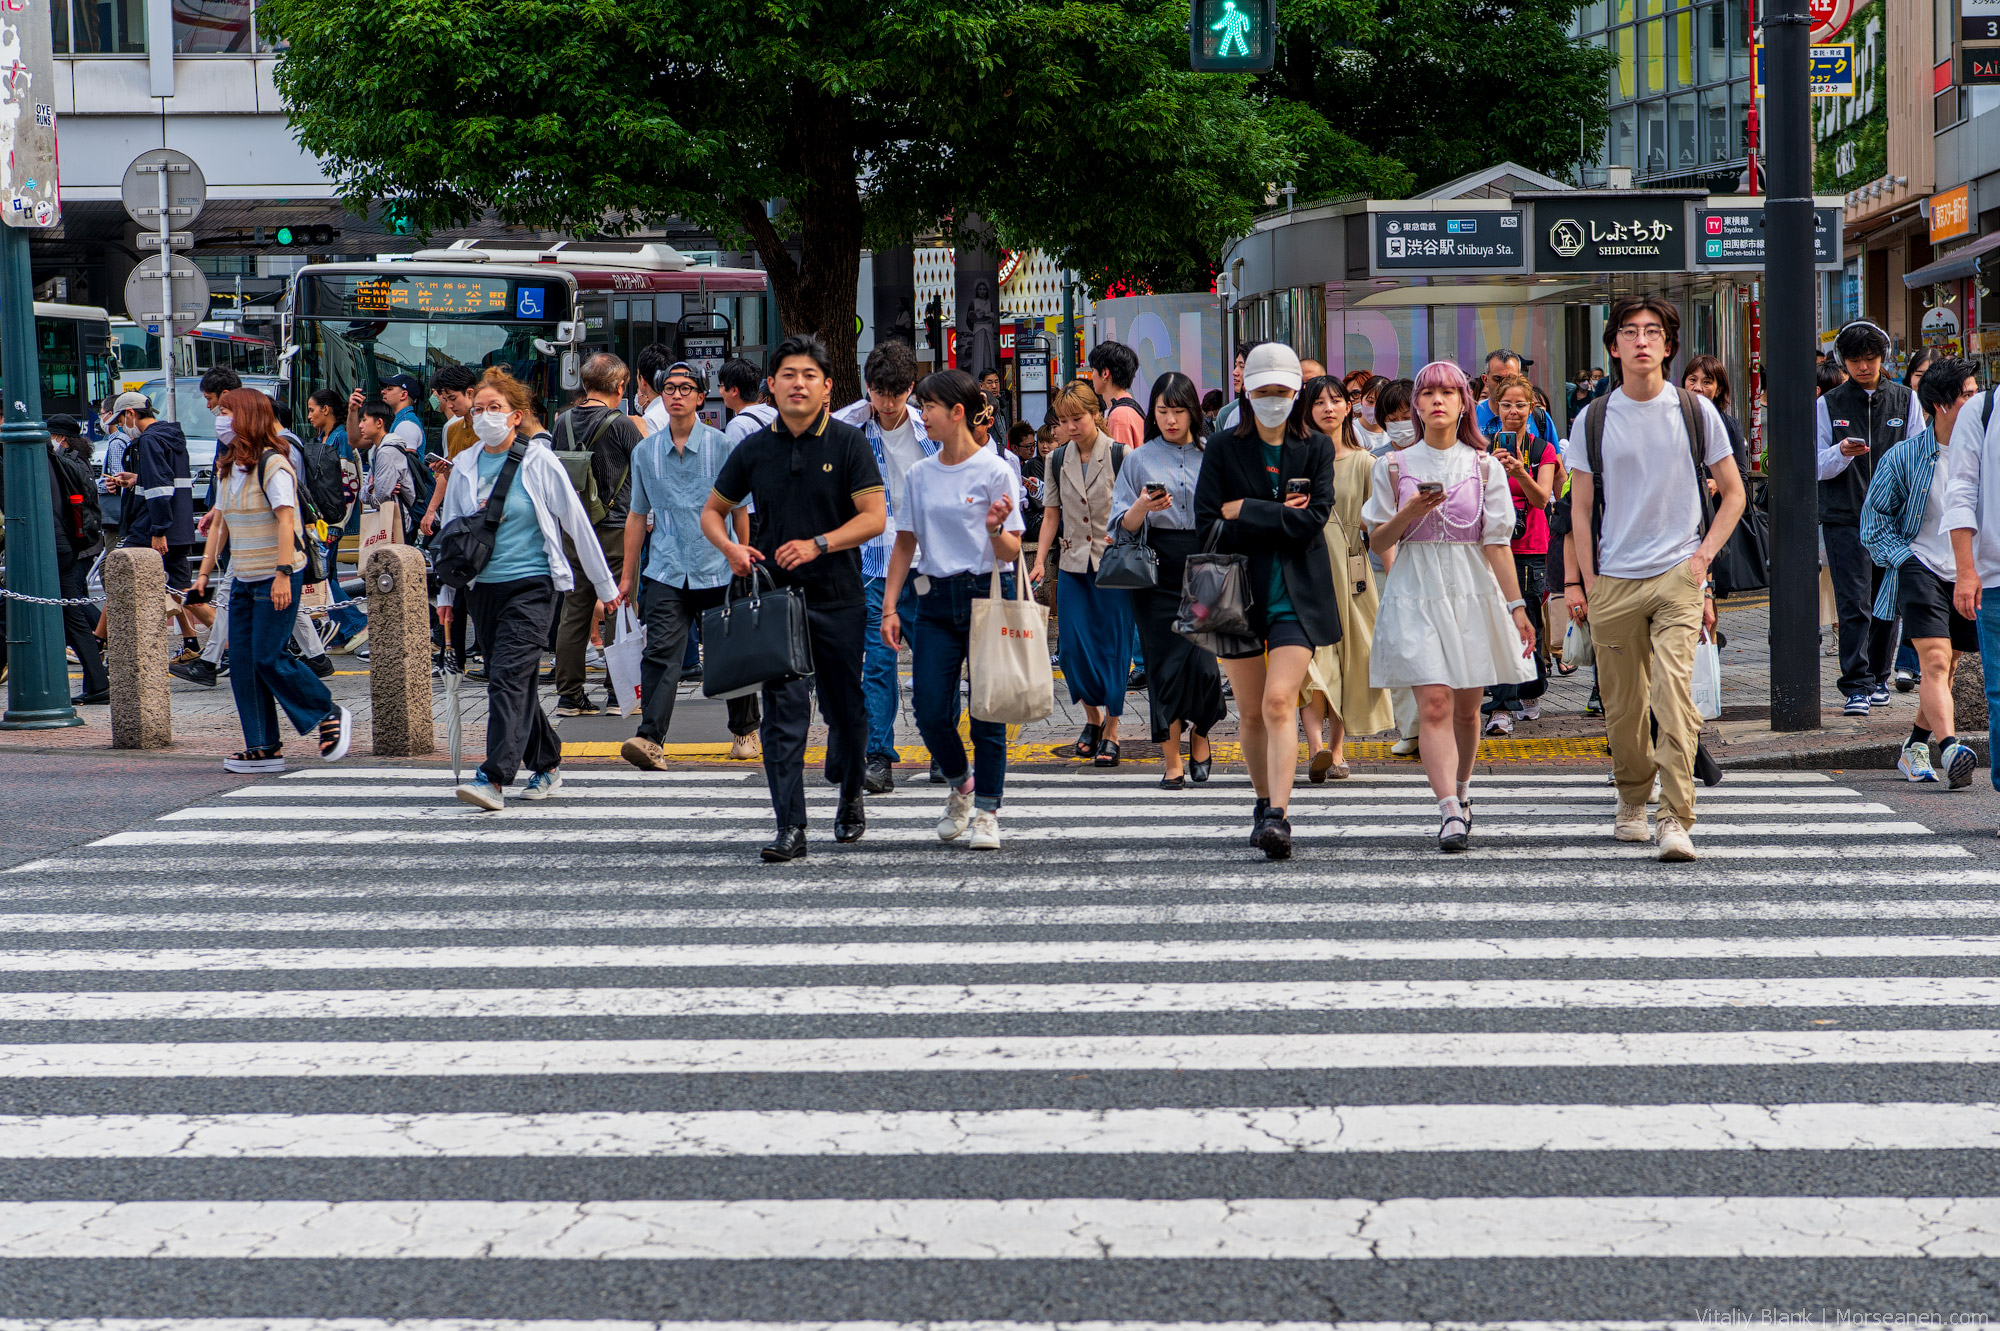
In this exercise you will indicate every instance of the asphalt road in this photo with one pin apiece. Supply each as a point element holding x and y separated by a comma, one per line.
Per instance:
<point>333,1046</point>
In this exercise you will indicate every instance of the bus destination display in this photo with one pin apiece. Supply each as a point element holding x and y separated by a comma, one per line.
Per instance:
<point>432,295</point>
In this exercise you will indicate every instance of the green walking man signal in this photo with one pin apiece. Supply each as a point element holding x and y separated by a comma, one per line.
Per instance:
<point>1232,36</point>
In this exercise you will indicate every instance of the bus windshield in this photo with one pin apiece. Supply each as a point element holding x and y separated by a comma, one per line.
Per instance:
<point>337,354</point>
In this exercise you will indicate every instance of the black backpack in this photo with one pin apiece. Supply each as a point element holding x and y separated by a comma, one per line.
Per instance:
<point>81,516</point>
<point>421,480</point>
<point>322,483</point>
<point>1593,445</point>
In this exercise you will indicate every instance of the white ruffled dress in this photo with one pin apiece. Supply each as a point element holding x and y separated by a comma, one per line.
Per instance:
<point>1443,619</point>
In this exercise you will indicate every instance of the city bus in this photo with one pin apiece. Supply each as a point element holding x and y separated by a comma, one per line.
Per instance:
<point>78,361</point>
<point>213,342</point>
<point>535,312</point>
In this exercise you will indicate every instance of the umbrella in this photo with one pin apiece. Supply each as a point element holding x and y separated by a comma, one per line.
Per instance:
<point>452,730</point>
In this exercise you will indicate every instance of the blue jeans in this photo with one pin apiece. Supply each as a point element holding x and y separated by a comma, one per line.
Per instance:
<point>263,677</point>
<point>1989,664</point>
<point>878,667</point>
<point>938,643</point>
<point>346,617</point>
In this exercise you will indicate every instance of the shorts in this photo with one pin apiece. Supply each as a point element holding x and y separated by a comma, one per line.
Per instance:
<point>1281,633</point>
<point>1923,599</point>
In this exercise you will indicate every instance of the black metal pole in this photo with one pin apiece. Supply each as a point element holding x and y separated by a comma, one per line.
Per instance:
<point>1789,348</point>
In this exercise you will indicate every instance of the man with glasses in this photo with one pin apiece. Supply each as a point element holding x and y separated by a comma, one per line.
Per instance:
<point>1856,422</point>
<point>1641,576</point>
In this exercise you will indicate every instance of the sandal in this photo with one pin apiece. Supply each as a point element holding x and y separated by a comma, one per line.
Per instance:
<point>1322,763</point>
<point>1564,668</point>
<point>1086,743</point>
<point>1450,842</point>
<point>1107,754</point>
<point>255,760</point>
<point>335,734</point>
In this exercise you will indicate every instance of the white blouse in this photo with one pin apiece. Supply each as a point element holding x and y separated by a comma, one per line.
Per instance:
<point>1451,465</point>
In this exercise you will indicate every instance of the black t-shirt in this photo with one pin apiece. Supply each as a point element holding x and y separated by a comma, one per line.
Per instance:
<point>610,456</point>
<point>805,486</point>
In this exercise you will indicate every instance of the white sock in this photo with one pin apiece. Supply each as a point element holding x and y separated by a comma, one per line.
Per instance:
<point>1448,807</point>
<point>1464,791</point>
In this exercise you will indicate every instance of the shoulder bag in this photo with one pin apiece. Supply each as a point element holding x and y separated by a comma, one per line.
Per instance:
<point>466,542</point>
<point>312,561</point>
<point>1129,563</point>
<point>1215,595</point>
<point>756,640</point>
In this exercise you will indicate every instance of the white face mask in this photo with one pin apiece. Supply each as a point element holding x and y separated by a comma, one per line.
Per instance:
<point>1271,411</point>
<point>1402,433</point>
<point>1366,411</point>
<point>225,427</point>
<point>491,426</point>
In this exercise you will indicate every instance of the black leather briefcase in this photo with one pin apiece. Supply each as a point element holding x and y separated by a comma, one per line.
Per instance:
<point>748,642</point>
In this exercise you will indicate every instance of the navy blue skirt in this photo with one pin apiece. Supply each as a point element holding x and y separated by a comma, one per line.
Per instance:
<point>1095,625</point>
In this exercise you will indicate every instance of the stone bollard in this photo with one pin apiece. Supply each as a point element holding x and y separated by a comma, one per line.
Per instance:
<point>135,600</point>
<point>1968,696</point>
<point>399,651</point>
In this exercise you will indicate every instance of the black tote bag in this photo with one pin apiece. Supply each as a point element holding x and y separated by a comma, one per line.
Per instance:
<point>756,640</point>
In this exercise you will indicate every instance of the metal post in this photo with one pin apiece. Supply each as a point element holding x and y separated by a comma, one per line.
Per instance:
<point>37,678</point>
<point>168,410</point>
<point>1789,347</point>
<point>1068,327</point>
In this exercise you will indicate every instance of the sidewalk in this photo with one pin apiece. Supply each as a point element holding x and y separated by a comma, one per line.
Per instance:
<point>205,721</point>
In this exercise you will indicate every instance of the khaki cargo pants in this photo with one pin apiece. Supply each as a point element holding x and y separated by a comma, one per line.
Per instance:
<point>1643,633</point>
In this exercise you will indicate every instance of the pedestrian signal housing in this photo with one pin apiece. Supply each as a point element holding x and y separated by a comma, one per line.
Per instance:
<point>1232,36</point>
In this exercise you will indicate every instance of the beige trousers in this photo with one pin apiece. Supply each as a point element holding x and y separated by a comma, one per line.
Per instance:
<point>1643,631</point>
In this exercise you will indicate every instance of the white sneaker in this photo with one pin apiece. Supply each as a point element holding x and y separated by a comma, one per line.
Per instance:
<point>957,813</point>
<point>1403,748</point>
<point>1500,723</point>
<point>1532,712</point>
<point>1915,762</point>
<point>1631,823</point>
<point>1674,842</point>
<point>985,830</point>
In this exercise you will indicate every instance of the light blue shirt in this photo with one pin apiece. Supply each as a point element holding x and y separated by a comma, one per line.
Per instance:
<point>672,485</point>
<point>1157,462</point>
<point>518,551</point>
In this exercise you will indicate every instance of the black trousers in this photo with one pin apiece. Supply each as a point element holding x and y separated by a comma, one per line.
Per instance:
<point>511,620</point>
<point>1867,644</point>
<point>670,614</point>
<point>1531,572</point>
<point>78,621</point>
<point>836,652</point>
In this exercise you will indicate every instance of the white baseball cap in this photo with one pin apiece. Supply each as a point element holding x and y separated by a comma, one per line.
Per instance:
<point>1272,363</point>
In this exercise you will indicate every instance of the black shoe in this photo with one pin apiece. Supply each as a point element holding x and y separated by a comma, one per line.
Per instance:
<point>788,845</point>
<point>1454,834</point>
<point>548,676</point>
<point>1274,835</point>
<point>196,671</point>
<point>578,706</point>
<point>1706,769</point>
<point>1135,681</point>
<point>691,675</point>
<point>476,668</point>
<point>1173,782</point>
<point>322,665</point>
<point>97,699</point>
<point>880,778</point>
<point>937,773</point>
<point>1107,754</point>
<point>851,821</point>
<point>1257,819</point>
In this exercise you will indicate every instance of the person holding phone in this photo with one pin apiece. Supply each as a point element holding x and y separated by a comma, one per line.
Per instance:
<point>1444,627</point>
<point>1532,466</point>
<point>1337,688</point>
<point>1155,491</point>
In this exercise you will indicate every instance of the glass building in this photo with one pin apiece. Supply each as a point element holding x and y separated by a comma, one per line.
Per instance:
<point>1679,94</point>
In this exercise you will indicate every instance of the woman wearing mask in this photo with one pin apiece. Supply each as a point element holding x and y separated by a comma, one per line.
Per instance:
<point>959,517</point>
<point>257,513</point>
<point>1095,625</point>
<point>1443,628</point>
<point>1268,486</point>
<point>513,600</point>
<point>1336,687</point>
<point>1531,465</point>
<point>1155,491</point>
<point>1366,401</point>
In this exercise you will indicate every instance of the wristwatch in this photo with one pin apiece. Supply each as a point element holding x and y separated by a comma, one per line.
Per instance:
<point>820,541</point>
<point>1517,605</point>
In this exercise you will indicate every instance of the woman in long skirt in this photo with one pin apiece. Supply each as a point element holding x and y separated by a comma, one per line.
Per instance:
<point>1095,626</point>
<point>1336,688</point>
<point>1155,491</point>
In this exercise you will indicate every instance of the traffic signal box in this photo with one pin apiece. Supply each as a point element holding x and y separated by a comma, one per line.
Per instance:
<point>1232,36</point>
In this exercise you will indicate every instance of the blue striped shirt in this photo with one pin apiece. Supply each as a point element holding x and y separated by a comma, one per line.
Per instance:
<point>1894,511</point>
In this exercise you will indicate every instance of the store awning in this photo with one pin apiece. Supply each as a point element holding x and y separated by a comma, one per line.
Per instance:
<point>1961,262</point>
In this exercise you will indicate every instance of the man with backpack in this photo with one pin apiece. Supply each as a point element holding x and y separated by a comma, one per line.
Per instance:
<point>1642,557</point>
<point>1112,365</point>
<point>594,441</point>
<point>79,528</point>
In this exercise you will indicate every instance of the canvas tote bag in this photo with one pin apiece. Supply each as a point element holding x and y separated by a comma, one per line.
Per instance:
<point>1012,680</point>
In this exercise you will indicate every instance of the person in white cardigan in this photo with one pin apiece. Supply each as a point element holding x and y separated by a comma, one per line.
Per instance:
<point>514,599</point>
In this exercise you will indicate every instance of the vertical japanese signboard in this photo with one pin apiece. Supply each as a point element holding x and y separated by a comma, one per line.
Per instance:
<point>29,196</point>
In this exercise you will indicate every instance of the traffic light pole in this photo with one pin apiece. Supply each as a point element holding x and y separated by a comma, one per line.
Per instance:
<point>37,678</point>
<point>1789,347</point>
<point>1068,327</point>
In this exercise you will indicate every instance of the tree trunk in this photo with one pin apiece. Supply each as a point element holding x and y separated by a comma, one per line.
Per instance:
<point>817,293</point>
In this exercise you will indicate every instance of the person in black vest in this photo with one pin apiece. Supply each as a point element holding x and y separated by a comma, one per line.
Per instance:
<point>819,500</point>
<point>79,534</point>
<point>1857,422</point>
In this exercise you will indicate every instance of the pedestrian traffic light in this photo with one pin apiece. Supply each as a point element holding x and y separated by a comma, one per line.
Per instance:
<point>1232,36</point>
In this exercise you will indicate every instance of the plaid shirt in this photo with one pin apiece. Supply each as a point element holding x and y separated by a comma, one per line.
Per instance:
<point>1894,511</point>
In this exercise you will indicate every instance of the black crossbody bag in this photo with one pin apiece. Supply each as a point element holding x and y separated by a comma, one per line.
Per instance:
<point>466,542</point>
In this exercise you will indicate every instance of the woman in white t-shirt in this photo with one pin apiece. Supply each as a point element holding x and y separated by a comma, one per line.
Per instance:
<point>959,517</point>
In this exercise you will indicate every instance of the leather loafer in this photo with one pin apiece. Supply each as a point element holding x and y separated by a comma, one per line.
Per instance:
<point>880,778</point>
<point>851,821</point>
<point>103,696</point>
<point>789,844</point>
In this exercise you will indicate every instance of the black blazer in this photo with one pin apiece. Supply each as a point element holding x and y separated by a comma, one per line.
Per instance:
<point>1232,467</point>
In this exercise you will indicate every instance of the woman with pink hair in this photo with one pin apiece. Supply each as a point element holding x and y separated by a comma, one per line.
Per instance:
<point>1443,629</point>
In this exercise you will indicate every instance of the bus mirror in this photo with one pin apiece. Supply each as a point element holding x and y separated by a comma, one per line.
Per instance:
<point>569,332</point>
<point>571,378</point>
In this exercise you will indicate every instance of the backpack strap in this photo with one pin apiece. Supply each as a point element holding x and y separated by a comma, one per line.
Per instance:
<point>1593,449</point>
<point>1691,420</point>
<point>1986,412</point>
<point>496,500</point>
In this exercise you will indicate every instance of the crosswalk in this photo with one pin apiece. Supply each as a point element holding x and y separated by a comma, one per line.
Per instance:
<point>333,1052</point>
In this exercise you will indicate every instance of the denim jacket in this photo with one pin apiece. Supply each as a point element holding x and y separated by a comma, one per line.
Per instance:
<point>1893,513</point>
<point>875,554</point>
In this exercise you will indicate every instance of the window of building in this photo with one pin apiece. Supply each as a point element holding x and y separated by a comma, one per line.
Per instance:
<point>213,27</point>
<point>1679,90</point>
<point>1680,51</point>
<point>1683,154</point>
<point>1652,58</point>
<point>108,27</point>
<point>1620,138</point>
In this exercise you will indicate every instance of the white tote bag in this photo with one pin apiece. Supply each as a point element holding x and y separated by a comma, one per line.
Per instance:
<point>379,527</point>
<point>1012,680</point>
<point>622,656</point>
<point>1707,678</point>
<point>1577,650</point>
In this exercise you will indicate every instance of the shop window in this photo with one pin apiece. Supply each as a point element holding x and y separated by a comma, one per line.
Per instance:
<point>108,27</point>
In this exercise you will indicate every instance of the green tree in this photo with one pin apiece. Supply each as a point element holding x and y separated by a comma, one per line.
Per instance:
<point>1389,96</point>
<point>1072,126</point>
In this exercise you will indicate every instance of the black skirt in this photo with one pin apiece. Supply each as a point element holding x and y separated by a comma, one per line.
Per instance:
<point>1183,682</point>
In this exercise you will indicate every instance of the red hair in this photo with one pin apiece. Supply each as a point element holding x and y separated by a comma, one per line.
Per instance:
<point>1444,374</point>
<point>254,425</point>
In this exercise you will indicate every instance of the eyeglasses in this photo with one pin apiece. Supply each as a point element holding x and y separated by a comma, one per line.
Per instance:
<point>1643,333</point>
<point>680,390</point>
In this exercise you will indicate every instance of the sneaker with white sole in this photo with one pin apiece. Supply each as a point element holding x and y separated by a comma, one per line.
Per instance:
<point>1959,764</point>
<point>1857,705</point>
<point>1879,695</point>
<point>1915,762</point>
<point>1404,748</point>
<point>483,794</point>
<point>957,813</point>
<point>1674,842</point>
<point>543,785</point>
<point>1531,712</point>
<point>985,830</point>
<point>1630,824</point>
<point>1500,723</point>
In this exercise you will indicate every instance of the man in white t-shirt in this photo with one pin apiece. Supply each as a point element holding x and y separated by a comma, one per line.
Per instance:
<point>1642,580</point>
<point>742,386</point>
<point>896,433</point>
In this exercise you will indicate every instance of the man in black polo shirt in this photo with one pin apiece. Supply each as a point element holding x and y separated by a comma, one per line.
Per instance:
<point>819,500</point>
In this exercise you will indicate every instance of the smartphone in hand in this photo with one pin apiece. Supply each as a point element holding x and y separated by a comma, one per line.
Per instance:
<point>1503,441</point>
<point>1430,487</point>
<point>1298,485</point>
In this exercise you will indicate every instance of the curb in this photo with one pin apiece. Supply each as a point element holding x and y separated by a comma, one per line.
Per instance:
<point>1859,756</point>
